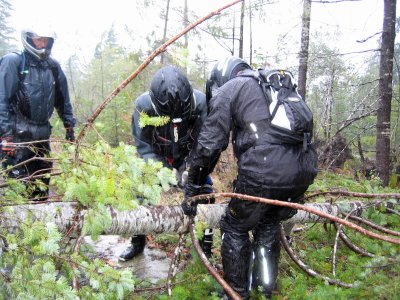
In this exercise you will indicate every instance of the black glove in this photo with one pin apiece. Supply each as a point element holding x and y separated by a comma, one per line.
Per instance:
<point>189,207</point>
<point>70,134</point>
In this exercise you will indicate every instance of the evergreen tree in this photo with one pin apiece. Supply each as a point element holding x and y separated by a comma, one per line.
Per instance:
<point>6,39</point>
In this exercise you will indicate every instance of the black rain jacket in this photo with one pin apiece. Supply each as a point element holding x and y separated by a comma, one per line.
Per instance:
<point>156,142</point>
<point>240,107</point>
<point>28,99</point>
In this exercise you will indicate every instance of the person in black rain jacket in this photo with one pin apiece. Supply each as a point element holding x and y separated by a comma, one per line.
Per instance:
<point>269,170</point>
<point>32,84</point>
<point>170,95</point>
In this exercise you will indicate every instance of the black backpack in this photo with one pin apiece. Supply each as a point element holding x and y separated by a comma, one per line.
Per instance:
<point>292,159</point>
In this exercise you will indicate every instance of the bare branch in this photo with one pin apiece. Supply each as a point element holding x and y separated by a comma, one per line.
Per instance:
<point>228,289</point>
<point>306,268</point>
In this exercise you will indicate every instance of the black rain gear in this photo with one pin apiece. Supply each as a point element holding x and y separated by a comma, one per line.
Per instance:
<point>156,142</point>
<point>240,106</point>
<point>30,89</point>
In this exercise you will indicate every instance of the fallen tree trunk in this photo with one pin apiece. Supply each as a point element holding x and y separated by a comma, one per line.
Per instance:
<point>164,219</point>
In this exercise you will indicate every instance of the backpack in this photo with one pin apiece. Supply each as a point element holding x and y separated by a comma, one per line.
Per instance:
<point>22,99</point>
<point>291,157</point>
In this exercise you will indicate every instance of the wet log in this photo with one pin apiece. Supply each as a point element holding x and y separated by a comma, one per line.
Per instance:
<point>163,219</point>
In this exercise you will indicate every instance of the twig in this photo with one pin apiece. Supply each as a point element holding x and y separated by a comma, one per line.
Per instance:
<point>174,263</point>
<point>228,289</point>
<point>334,256</point>
<point>392,211</point>
<point>375,226</point>
<point>302,207</point>
<point>147,61</point>
<point>306,268</point>
<point>353,194</point>
<point>351,245</point>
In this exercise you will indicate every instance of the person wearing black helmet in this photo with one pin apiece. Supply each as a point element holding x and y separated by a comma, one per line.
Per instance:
<point>267,167</point>
<point>32,84</point>
<point>170,95</point>
<point>223,71</point>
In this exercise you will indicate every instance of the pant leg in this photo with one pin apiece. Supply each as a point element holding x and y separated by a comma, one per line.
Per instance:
<point>241,216</point>
<point>266,252</point>
<point>40,167</point>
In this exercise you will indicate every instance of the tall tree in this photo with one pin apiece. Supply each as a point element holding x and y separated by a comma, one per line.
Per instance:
<point>6,39</point>
<point>165,28</point>
<point>241,30</point>
<point>385,91</point>
<point>303,55</point>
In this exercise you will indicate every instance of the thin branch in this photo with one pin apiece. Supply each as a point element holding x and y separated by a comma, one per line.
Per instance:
<point>228,289</point>
<point>353,194</point>
<point>305,208</point>
<point>375,226</point>
<point>349,244</point>
<point>174,263</point>
<point>306,268</point>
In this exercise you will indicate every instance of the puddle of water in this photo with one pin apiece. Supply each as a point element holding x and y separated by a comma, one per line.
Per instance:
<point>152,265</point>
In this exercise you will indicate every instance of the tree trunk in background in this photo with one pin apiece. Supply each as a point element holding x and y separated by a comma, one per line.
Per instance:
<point>385,92</point>
<point>185,22</point>
<point>241,30</point>
<point>303,55</point>
<point>250,35</point>
<point>233,31</point>
<point>165,29</point>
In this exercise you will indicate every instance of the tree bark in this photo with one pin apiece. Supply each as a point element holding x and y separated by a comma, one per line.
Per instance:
<point>162,219</point>
<point>385,92</point>
<point>303,55</point>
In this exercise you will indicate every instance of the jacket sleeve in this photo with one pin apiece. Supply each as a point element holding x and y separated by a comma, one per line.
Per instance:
<point>9,81</point>
<point>62,101</point>
<point>142,140</point>
<point>212,140</point>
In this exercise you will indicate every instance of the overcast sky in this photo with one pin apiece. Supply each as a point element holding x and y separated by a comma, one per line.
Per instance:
<point>80,24</point>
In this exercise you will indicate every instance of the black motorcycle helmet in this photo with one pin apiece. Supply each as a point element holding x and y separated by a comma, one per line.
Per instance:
<point>171,93</point>
<point>222,72</point>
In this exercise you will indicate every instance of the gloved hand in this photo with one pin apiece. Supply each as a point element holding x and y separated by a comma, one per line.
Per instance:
<point>8,147</point>
<point>190,207</point>
<point>70,134</point>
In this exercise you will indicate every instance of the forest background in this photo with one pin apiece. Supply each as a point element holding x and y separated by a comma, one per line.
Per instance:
<point>342,77</point>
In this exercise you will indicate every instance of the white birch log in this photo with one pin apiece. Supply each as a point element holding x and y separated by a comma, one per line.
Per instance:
<point>162,219</point>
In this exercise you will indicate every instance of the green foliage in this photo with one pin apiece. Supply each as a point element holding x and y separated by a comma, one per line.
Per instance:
<point>198,284</point>
<point>146,120</point>
<point>115,177</point>
<point>40,263</point>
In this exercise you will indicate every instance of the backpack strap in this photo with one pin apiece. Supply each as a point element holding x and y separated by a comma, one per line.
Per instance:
<point>264,85</point>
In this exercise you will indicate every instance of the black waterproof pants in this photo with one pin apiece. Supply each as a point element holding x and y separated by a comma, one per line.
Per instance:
<point>238,252</point>
<point>29,167</point>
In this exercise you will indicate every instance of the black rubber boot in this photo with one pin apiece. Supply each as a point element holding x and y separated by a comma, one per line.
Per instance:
<point>266,252</point>
<point>235,252</point>
<point>137,246</point>
<point>206,242</point>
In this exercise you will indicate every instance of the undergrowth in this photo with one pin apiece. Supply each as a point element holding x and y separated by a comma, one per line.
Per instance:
<point>372,278</point>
